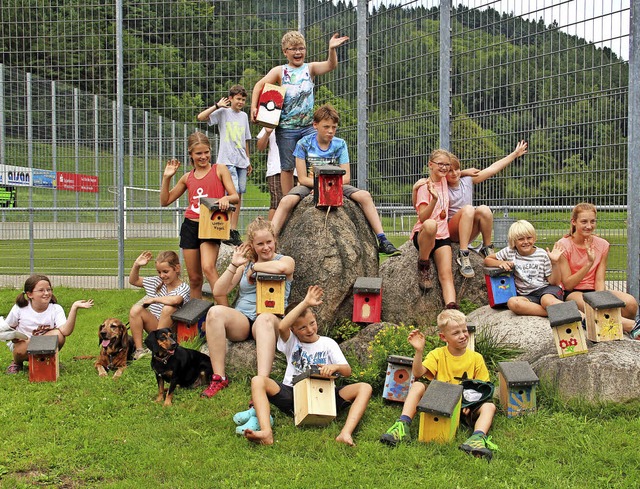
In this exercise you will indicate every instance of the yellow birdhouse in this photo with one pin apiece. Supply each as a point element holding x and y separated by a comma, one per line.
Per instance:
<point>214,223</point>
<point>270,292</point>
<point>518,384</point>
<point>439,412</point>
<point>566,325</point>
<point>604,319</point>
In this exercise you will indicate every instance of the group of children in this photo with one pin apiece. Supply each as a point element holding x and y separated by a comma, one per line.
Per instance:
<point>304,138</point>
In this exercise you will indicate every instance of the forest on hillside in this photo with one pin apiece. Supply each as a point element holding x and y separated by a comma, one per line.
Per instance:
<point>567,97</point>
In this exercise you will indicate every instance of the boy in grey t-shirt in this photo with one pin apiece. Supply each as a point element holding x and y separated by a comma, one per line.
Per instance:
<point>233,152</point>
<point>536,271</point>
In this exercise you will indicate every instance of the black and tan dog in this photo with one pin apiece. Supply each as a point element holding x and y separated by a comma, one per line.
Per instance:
<point>116,347</point>
<point>175,364</point>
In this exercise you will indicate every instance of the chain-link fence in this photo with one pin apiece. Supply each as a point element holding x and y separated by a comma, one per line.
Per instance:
<point>416,75</point>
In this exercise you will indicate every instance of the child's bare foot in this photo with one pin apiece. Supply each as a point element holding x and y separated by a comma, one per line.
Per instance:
<point>261,437</point>
<point>346,439</point>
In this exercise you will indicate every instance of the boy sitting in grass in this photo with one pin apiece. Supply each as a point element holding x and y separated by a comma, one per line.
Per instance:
<point>303,348</point>
<point>450,363</point>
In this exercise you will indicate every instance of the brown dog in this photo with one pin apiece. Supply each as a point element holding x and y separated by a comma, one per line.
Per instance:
<point>116,347</point>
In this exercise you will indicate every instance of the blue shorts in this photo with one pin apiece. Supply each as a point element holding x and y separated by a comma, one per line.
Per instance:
<point>287,140</point>
<point>536,295</point>
<point>239,178</point>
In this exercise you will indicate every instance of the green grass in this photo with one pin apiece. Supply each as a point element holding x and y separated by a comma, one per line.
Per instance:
<point>86,432</point>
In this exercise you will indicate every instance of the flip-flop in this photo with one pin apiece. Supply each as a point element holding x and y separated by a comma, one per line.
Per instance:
<point>253,424</point>
<point>243,416</point>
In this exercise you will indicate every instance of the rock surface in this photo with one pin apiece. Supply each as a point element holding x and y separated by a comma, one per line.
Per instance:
<point>331,249</point>
<point>609,371</point>
<point>402,299</point>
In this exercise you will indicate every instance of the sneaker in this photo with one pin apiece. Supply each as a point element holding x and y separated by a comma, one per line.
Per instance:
<point>252,424</point>
<point>479,445</point>
<point>234,238</point>
<point>399,432</point>
<point>465,264</point>
<point>425,281</point>
<point>217,384</point>
<point>452,305</point>
<point>634,334</point>
<point>386,248</point>
<point>12,334</point>
<point>14,368</point>
<point>485,251</point>
<point>243,416</point>
<point>141,352</point>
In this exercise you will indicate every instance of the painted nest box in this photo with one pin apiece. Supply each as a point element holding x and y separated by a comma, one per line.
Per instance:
<point>270,105</point>
<point>566,325</point>
<point>604,318</point>
<point>398,379</point>
<point>43,358</point>
<point>439,412</point>
<point>314,400</point>
<point>190,318</point>
<point>367,300</point>
<point>327,186</point>
<point>270,292</point>
<point>500,286</point>
<point>213,222</point>
<point>471,328</point>
<point>518,384</point>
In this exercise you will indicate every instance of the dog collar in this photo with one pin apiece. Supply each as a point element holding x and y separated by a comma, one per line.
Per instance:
<point>164,359</point>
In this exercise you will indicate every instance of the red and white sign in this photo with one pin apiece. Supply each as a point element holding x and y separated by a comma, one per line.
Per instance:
<point>77,182</point>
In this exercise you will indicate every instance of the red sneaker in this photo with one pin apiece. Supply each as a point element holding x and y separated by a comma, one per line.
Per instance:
<point>217,384</point>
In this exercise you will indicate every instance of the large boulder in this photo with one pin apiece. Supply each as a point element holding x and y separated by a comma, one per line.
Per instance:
<point>609,371</point>
<point>404,301</point>
<point>331,249</point>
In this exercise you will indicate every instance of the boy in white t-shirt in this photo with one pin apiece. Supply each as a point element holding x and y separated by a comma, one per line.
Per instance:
<point>298,339</point>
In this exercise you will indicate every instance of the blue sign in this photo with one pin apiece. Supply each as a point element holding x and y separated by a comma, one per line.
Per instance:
<point>44,178</point>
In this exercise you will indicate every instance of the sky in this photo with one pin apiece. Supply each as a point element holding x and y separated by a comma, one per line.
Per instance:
<point>603,22</point>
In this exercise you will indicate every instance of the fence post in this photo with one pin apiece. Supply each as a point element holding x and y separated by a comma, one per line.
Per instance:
<point>120,140</point>
<point>633,162</point>
<point>3,161</point>
<point>445,74</point>
<point>76,143</point>
<point>362,95</point>
<point>54,147</point>
<point>96,146</point>
<point>30,164</point>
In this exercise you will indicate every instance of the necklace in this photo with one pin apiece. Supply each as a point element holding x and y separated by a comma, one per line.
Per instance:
<point>443,212</point>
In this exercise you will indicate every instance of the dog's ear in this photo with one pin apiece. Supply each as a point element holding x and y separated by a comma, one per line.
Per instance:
<point>100,329</point>
<point>151,341</point>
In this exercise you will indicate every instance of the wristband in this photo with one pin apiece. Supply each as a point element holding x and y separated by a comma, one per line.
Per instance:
<point>217,106</point>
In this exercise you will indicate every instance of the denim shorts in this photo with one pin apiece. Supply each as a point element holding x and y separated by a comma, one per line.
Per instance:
<point>239,178</point>
<point>287,140</point>
<point>536,295</point>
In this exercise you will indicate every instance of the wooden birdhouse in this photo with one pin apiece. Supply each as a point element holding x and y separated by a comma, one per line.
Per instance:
<point>270,105</point>
<point>190,318</point>
<point>566,326</point>
<point>314,398</point>
<point>270,293</point>
<point>471,344</point>
<point>439,412</point>
<point>327,186</point>
<point>518,384</point>
<point>500,286</point>
<point>398,379</point>
<point>604,318</point>
<point>43,358</point>
<point>367,300</point>
<point>214,223</point>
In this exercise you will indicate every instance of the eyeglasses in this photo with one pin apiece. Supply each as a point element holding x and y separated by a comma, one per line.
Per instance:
<point>42,291</point>
<point>442,165</point>
<point>296,50</point>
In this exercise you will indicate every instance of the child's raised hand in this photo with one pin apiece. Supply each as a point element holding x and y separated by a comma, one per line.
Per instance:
<point>84,304</point>
<point>521,148</point>
<point>144,258</point>
<point>171,168</point>
<point>432,190</point>
<point>588,244</point>
<point>416,339</point>
<point>336,41</point>
<point>556,253</point>
<point>314,296</point>
<point>224,102</point>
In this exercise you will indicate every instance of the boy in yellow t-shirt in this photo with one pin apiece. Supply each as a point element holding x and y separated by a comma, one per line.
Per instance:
<point>451,363</point>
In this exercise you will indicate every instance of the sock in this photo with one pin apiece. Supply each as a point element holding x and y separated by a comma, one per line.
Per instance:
<point>381,237</point>
<point>405,419</point>
<point>464,252</point>
<point>479,432</point>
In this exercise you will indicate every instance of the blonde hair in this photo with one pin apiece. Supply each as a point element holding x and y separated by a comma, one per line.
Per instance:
<point>581,207</point>
<point>520,229</point>
<point>455,161</point>
<point>450,317</point>
<point>194,139</point>
<point>292,38</point>
<point>438,152</point>
<point>258,224</point>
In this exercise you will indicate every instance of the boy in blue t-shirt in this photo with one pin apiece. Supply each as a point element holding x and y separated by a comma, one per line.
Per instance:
<point>323,148</point>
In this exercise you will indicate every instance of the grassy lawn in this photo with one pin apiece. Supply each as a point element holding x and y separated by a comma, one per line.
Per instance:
<point>84,431</point>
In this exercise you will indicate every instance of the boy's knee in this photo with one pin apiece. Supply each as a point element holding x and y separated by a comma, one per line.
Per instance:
<point>135,310</point>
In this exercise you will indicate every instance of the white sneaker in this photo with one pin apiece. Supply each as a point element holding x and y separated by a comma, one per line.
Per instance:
<point>466,270</point>
<point>140,353</point>
<point>12,334</point>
